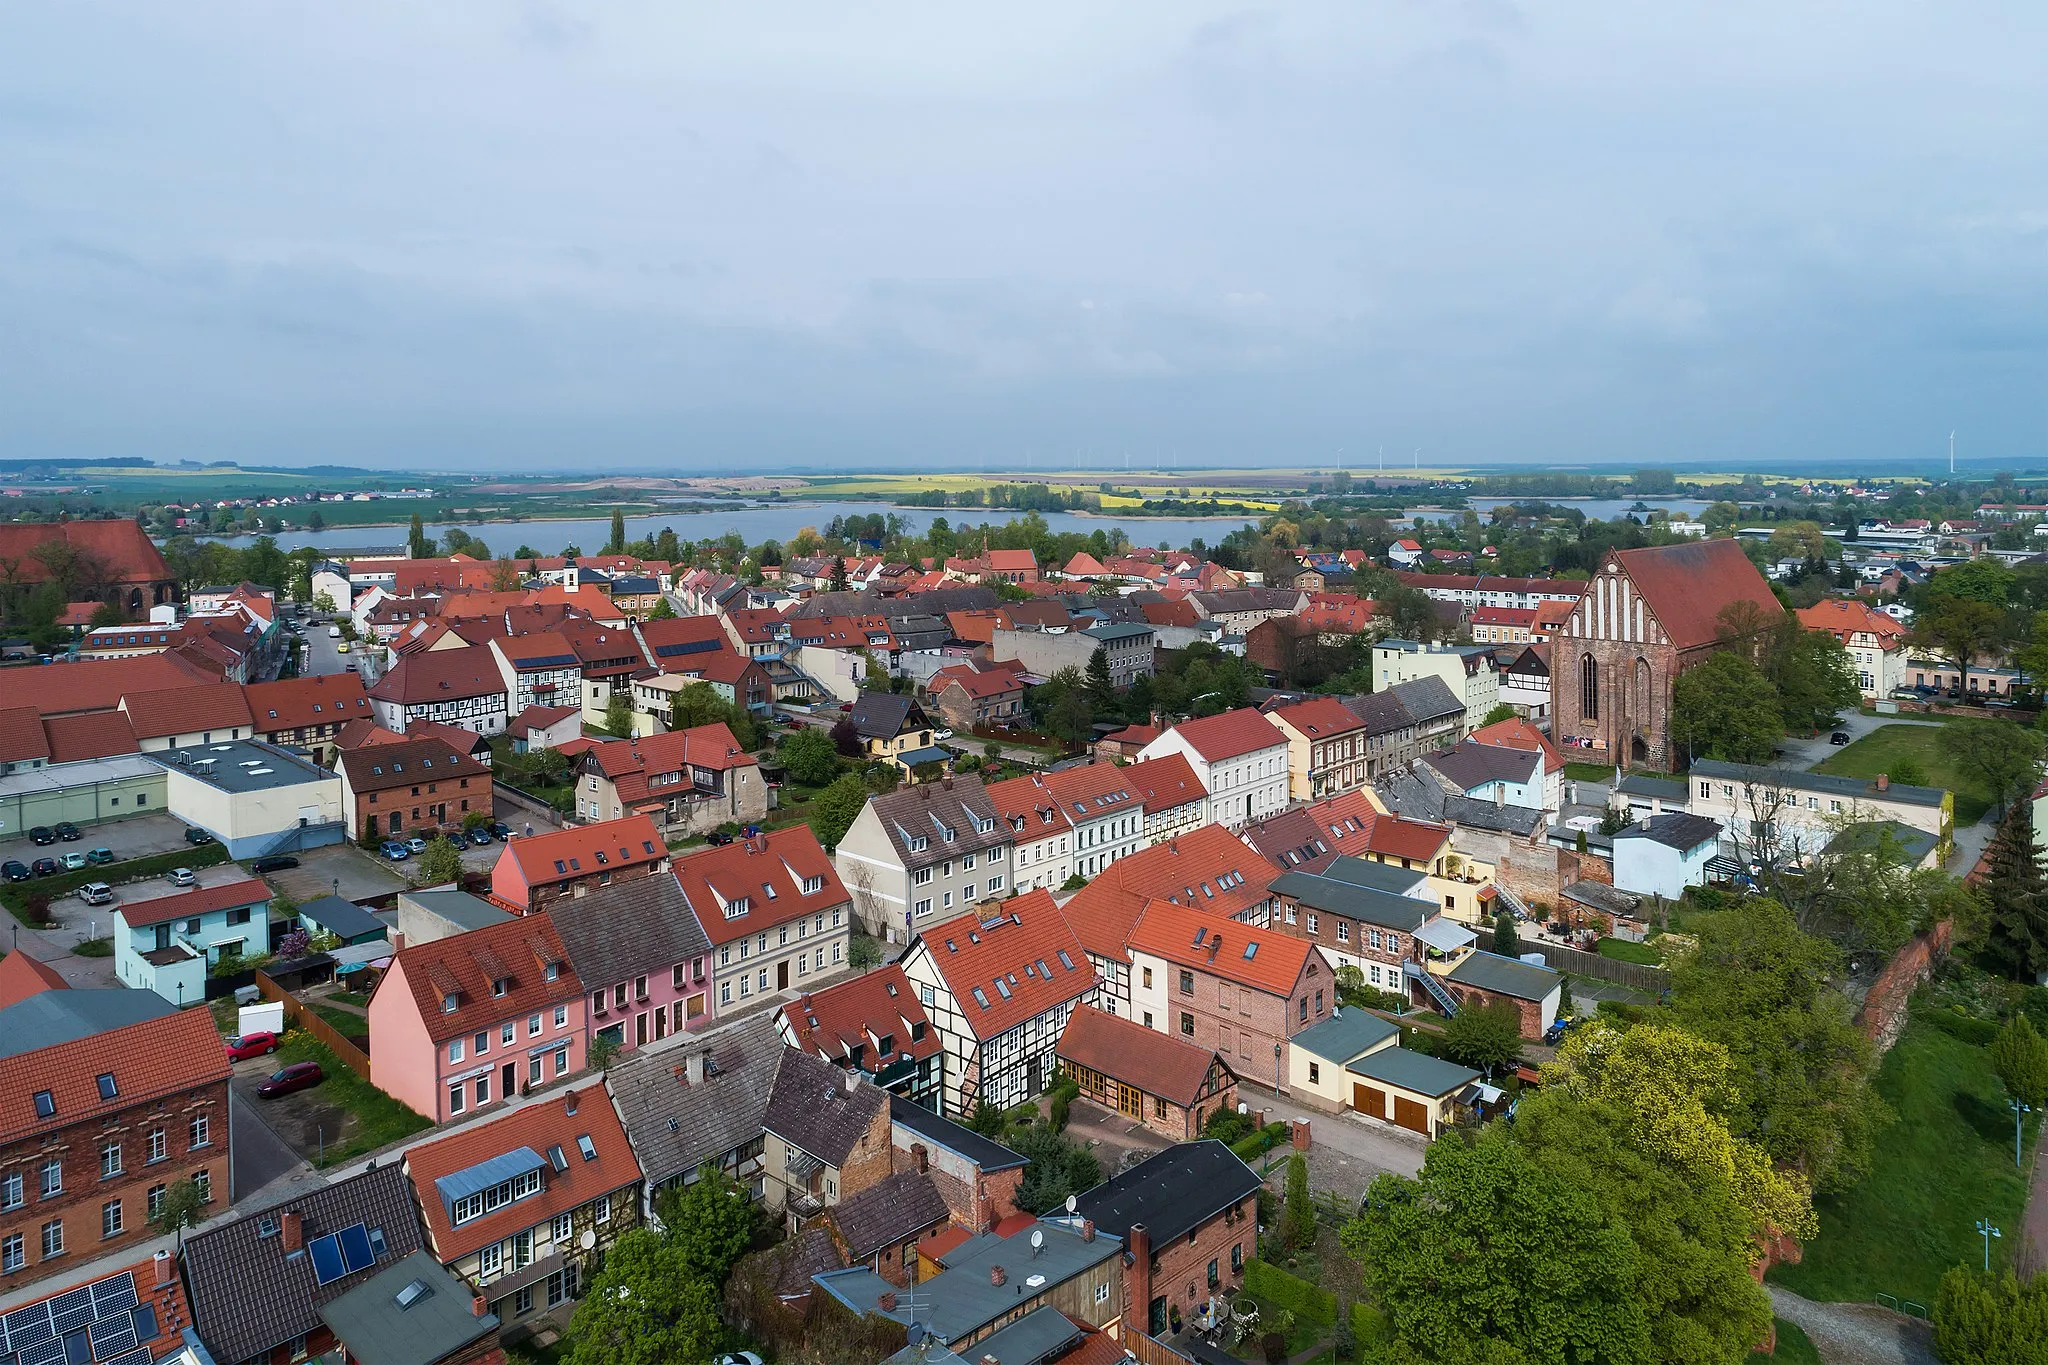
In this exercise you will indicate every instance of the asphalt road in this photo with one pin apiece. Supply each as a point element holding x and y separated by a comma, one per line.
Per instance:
<point>1807,753</point>
<point>256,1155</point>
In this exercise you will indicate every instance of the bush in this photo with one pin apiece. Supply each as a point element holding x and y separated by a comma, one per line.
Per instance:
<point>1261,1141</point>
<point>1956,1024</point>
<point>1228,1127</point>
<point>1274,1344</point>
<point>1264,1280</point>
<point>1368,1326</point>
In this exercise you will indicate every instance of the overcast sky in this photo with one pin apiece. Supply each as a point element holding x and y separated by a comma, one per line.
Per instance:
<point>761,235</point>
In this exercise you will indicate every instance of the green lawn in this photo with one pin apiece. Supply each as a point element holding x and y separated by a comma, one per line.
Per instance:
<point>1621,950</point>
<point>383,1119</point>
<point>1883,748</point>
<point>1592,772</point>
<point>346,1022</point>
<point>1946,1163</point>
<point>1794,1347</point>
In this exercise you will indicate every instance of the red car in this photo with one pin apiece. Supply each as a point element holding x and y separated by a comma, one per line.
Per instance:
<point>297,1076</point>
<point>250,1045</point>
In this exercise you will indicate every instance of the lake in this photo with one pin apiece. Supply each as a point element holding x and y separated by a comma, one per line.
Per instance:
<point>755,523</point>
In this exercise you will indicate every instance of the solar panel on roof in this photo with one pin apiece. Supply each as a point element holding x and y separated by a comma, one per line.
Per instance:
<point>110,1336</point>
<point>27,1326</point>
<point>43,1352</point>
<point>71,1310</point>
<point>327,1262</point>
<point>114,1294</point>
<point>355,1248</point>
<point>141,1357</point>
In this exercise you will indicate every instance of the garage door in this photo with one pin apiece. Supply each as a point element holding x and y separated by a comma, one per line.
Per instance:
<point>1408,1114</point>
<point>1368,1100</point>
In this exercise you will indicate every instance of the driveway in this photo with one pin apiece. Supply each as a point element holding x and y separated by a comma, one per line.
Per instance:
<point>1346,1151</point>
<point>1856,1333</point>
<point>256,1154</point>
<point>1111,1135</point>
<point>359,876</point>
<point>303,1121</point>
<point>1806,754</point>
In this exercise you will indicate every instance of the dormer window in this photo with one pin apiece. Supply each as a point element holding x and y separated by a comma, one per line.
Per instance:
<point>917,843</point>
<point>738,907</point>
<point>500,985</point>
<point>551,971</point>
<point>448,1003</point>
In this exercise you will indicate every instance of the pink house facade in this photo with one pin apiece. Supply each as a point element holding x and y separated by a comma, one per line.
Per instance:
<point>643,959</point>
<point>465,1022</point>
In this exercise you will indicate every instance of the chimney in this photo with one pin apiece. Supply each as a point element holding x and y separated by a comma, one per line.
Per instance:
<point>477,1306</point>
<point>165,1268</point>
<point>1087,1229</point>
<point>886,1301</point>
<point>1884,781</point>
<point>998,1276</point>
<point>397,942</point>
<point>922,1157</point>
<point>852,1081</point>
<point>294,1229</point>
<point>569,1102</point>
<point>1138,1245</point>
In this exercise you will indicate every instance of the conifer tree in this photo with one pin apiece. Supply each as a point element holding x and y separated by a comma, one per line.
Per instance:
<point>2016,894</point>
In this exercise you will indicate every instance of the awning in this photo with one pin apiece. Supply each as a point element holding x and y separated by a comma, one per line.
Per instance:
<point>1446,936</point>
<point>911,758</point>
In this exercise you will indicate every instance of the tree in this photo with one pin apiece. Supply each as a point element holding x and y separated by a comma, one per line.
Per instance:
<point>618,715</point>
<point>712,1221</point>
<point>504,575</point>
<point>616,545</point>
<point>1765,991</point>
<point>1101,691</point>
<point>104,615</point>
<point>1505,940</point>
<point>1725,708</point>
<point>1058,1168</point>
<point>863,953</point>
<point>838,581</point>
<point>1813,673</point>
<point>663,611</point>
<point>837,807</point>
<point>846,737</point>
<point>323,604</point>
<point>645,1307</point>
<point>183,1206</point>
<point>1956,630</point>
<point>441,863</point>
<point>1484,1036</point>
<point>1986,1320</point>
<point>2005,757</point>
<point>1499,713</point>
<point>2020,1057</point>
<point>602,1052</point>
<point>295,944</point>
<point>810,757</point>
<point>416,540</point>
<point>1299,1221</point>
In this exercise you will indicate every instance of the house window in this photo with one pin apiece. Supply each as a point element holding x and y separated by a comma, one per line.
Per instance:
<point>52,1179</point>
<point>483,1090</point>
<point>456,1094</point>
<point>110,1218</point>
<point>53,1238</point>
<point>1187,1023</point>
<point>533,1026</point>
<point>11,1195</point>
<point>490,1261</point>
<point>110,1159</point>
<point>561,1059</point>
<point>561,1016</point>
<point>455,1050</point>
<point>1315,1073</point>
<point>13,1254</point>
<point>1187,983</point>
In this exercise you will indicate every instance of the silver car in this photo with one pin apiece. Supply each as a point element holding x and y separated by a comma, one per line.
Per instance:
<point>96,893</point>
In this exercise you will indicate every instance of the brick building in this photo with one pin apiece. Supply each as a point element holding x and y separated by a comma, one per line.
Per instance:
<point>534,872</point>
<point>1648,615</point>
<point>1189,1220</point>
<point>413,786</point>
<point>826,1137</point>
<point>774,910</point>
<point>976,1176</point>
<point>1168,1085</point>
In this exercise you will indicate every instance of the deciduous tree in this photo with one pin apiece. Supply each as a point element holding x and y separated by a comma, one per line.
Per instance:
<point>712,1222</point>
<point>1484,1036</point>
<point>1725,708</point>
<point>2005,757</point>
<point>647,1306</point>
<point>2020,1057</point>
<point>441,863</point>
<point>810,757</point>
<point>837,807</point>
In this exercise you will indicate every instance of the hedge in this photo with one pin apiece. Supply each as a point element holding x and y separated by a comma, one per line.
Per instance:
<point>15,895</point>
<point>1264,1280</point>
<point>1977,1032</point>
<point>1369,1326</point>
<point>1250,1149</point>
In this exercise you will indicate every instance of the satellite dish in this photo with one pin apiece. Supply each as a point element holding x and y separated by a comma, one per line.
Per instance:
<point>1073,1203</point>
<point>587,1240</point>
<point>914,1333</point>
<point>1037,1238</point>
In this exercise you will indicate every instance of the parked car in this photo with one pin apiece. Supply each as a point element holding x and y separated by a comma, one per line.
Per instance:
<point>415,845</point>
<point>100,857</point>
<point>297,1076</point>
<point>257,1043</point>
<point>68,832</point>
<point>44,867</point>
<point>274,863</point>
<point>42,835</point>
<point>394,850</point>
<point>1839,738</point>
<point>181,876</point>
<point>719,837</point>
<point>196,835</point>
<point>500,830</point>
<point>334,632</point>
<point>96,893</point>
<point>74,862</point>
<point>14,870</point>
<point>342,648</point>
<point>479,836</point>
<point>738,1358</point>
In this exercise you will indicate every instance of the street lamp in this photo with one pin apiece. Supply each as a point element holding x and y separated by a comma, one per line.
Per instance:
<point>1984,1226</point>
<point>2019,1119</point>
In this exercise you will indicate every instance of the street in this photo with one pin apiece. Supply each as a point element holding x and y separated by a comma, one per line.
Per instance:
<point>1807,754</point>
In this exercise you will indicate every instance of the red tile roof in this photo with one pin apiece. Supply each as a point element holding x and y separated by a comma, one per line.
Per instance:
<point>200,900</point>
<point>971,953</point>
<point>630,763</point>
<point>1516,733</point>
<point>93,734</point>
<point>97,684</point>
<point>323,699</point>
<point>1310,838</point>
<point>1171,612</point>
<point>168,1055</point>
<point>1165,782</point>
<point>862,1012</point>
<point>1319,717</point>
<point>185,710</point>
<point>1208,866</point>
<point>1843,619</point>
<point>442,675</point>
<point>22,976</point>
<point>1230,734</point>
<point>586,850</point>
<point>539,718</point>
<point>376,767</point>
<point>1504,616</point>
<point>539,650</point>
<point>464,966</point>
<point>1146,1059</point>
<point>543,1127</point>
<point>21,735</point>
<point>1028,807</point>
<point>766,875</point>
<point>1688,586</point>
<point>1195,938</point>
<point>1139,735</point>
<point>982,685</point>
<point>121,546</point>
<point>1092,791</point>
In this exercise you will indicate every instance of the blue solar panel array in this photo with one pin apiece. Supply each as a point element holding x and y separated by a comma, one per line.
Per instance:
<point>326,1254</point>
<point>341,1253</point>
<point>102,1322</point>
<point>550,661</point>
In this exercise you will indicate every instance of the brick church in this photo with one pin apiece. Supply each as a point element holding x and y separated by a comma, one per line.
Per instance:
<point>1647,616</point>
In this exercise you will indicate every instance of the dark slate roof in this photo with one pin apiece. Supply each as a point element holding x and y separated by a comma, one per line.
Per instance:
<point>1039,1335</point>
<point>888,1213</point>
<point>1337,897</point>
<point>248,1297</point>
<point>710,1118</point>
<point>1427,699</point>
<point>49,1018</point>
<point>1379,876</point>
<point>1172,1193</point>
<point>1344,1035</point>
<point>955,803</point>
<point>640,927</point>
<point>1416,1071</point>
<point>1660,788</point>
<point>1855,788</point>
<point>880,715</point>
<point>1604,897</point>
<point>1909,845</point>
<point>1674,829</point>
<point>342,917</point>
<point>935,601</point>
<point>1475,765</point>
<point>934,1128</point>
<point>379,1330</point>
<point>1381,712</point>
<point>1505,976</point>
<point>811,1106</point>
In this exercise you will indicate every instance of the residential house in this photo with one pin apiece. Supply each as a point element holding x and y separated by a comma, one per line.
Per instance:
<point>1239,609</point>
<point>1406,721</point>
<point>534,872</point>
<point>525,1206</point>
<point>1480,978</point>
<point>688,781</point>
<point>1043,853</point>
<point>774,910</point>
<point>1520,734</point>
<point>999,988</point>
<point>307,712</point>
<point>544,727</point>
<point>882,1225</point>
<point>1159,1081</point>
<point>875,1025</point>
<point>413,786</point>
<point>977,1178</point>
<point>541,669</point>
<point>893,728</point>
<point>1104,812</point>
<point>138,1310</point>
<point>1226,985</point>
<point>642,957</point>
<point>1189,1219</point>
<point>464,687</point>
<point>1468,670</point>
<point>827,1137</point>
<point>698,1099</point>
<point>922,853</point>
<point>1664,854</point>
<point>1491,773</point>
<point>1782,812</point>
<point>1317,1056</point>
<point>116,1096</point>
<point>257,1291</point>
<point>968,700</point>
<point>1240,759</point>
<point>610,659</point>
<point>1411,1090</point>
<point>465,1021</point>
<point>168,944</point>
<point>1125,744</point>
<point>1525,682</point>
<point>1127,650</point>
<point>1175,800</point>
<point>1326,747</point>
<point>1874,640</point>
<point>1372,916</point>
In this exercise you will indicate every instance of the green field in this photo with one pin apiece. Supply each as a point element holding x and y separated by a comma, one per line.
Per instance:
<point>1885,747</point>
<point>1794,1346</point>
<point>1946,1163</point>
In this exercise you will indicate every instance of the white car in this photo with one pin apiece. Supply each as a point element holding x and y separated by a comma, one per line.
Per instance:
<point>181,876</point>
<point>334,632</point>
<point>96,893</point>
<point>738,1358</point>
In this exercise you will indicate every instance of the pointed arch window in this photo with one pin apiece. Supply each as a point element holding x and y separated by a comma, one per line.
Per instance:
<point>1589,687</point>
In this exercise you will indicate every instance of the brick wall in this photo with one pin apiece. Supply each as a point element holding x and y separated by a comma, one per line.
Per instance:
<point>1529,1011</point>
<point>1883,1016</point>
<point>1180,1271</point>
<point>974,1200</point>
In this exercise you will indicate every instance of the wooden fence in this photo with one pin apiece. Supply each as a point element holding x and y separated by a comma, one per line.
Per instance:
<point>298,1015</point>
<point>1634,975</point>
<point>1151,1352</point>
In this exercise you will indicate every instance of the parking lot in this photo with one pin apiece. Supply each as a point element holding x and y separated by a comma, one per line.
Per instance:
<point>139,836</point>
<point>338,869</point>
<point>304,1121</point>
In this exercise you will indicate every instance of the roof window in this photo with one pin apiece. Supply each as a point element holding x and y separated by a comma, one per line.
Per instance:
<point>586,1146</point>
<point>108,1090</point>
<point>46,1104</point>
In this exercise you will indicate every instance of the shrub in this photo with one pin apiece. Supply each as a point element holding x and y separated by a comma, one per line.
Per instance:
<point>1228,1126</point>
<point>1264,1280</point>
<point>1274,1344</point>
<point>1368,1326</point>
<point>1974,1031</point>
